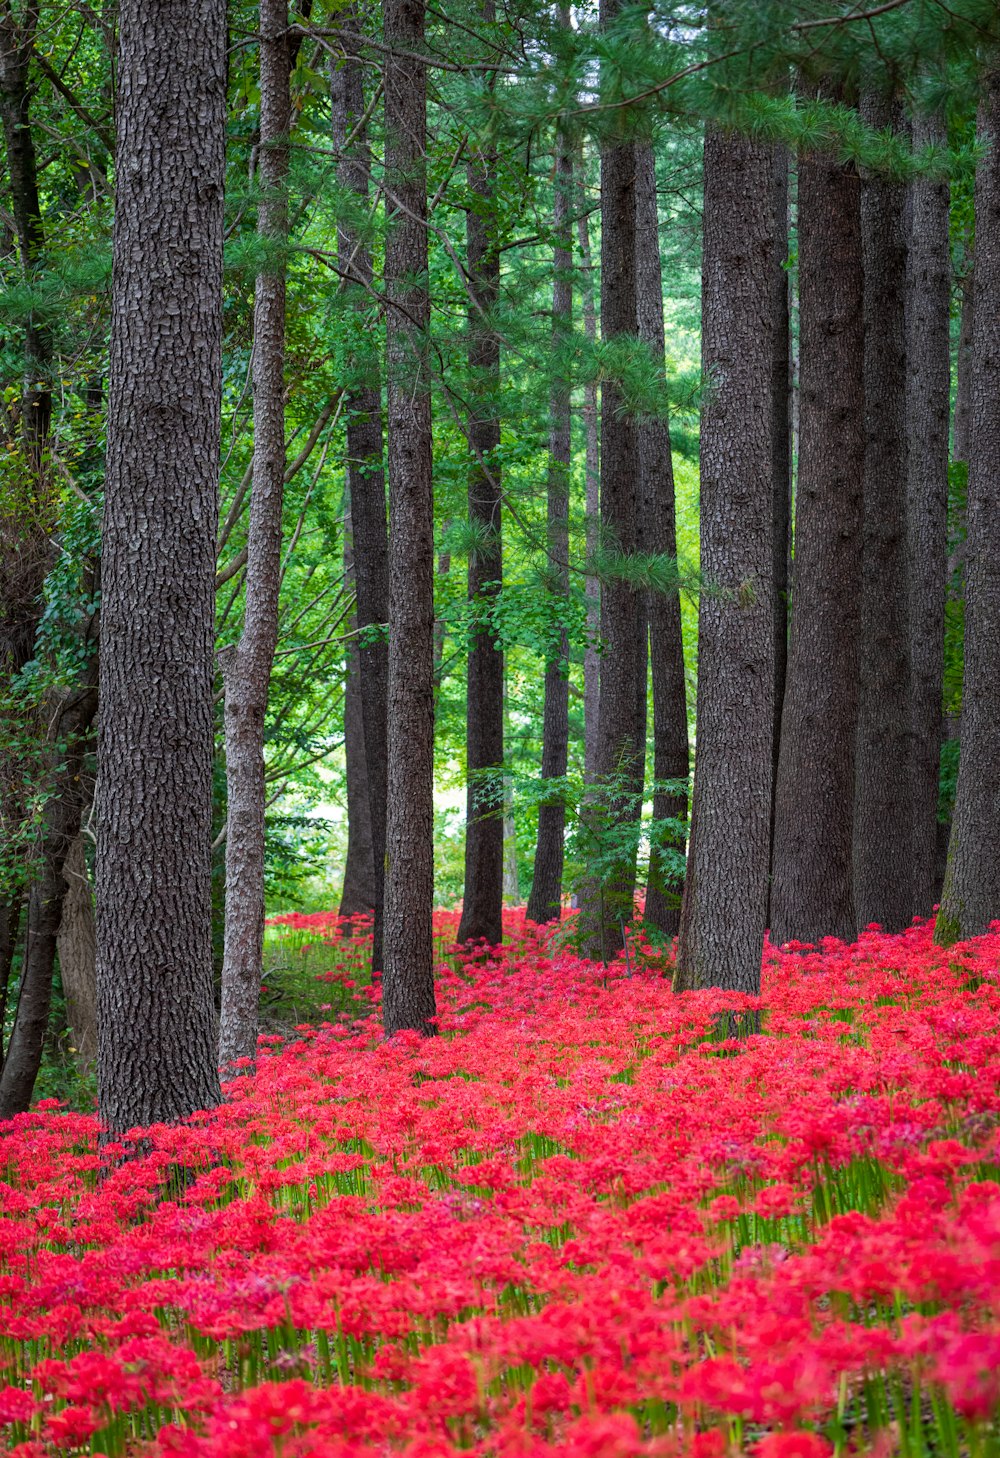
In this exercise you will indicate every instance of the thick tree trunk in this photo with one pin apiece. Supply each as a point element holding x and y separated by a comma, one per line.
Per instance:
<point>591,657</point>
<point>60,827</point>
<point>971,896</point>
<point>247,670</point>
<point>928,392</point>
<point>358,894</point>
<point>545,901</point>
<point>408,980</point>
<point>608,898</point>
<point>782,458</point>
<point>483,896</point>
<point>656,475</point>
<point>76,943</point>
<point>726,892</point>
<point>158,1043</point>
<point>883,803</point>
<point>812,892</point>
<point>366,486</point>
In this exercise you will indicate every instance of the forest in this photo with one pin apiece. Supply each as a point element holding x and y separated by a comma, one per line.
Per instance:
<point>500,728</point>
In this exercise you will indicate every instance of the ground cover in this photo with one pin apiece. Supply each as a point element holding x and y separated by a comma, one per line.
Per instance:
<point>583,1221</point>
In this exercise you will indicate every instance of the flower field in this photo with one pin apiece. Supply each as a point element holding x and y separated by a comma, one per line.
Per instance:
<point>584,1221</point>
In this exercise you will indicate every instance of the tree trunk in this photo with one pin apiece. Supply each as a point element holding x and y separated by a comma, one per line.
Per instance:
<point>656,475</point>
<point>812,893</point>
<point>591,658</point>
<point>928,399</point>
<point>59,828</point>
<point>483,896</point>
<point>408,980</point>
<point>366,484</point>
<point>76,943</point>
<point>158,1042</point>
<point>782,459</point>
<point>608,898</point>
<point>971,896</point>
<point>883,803</point>
<point>247,670</point>
<point>16,48</point>
<point>358,894</point>
<point>545,901</point>
<point>726,892</point>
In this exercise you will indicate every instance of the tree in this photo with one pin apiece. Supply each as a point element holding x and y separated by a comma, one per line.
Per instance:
<point>608,897</point>
<point>724,909</point>
<point>656,474</point>
<point>545,901</point>
<point>157,1054</point>
<point>365,481</point>
<point>928,389</point>
<point>971,896</point>
<point>883,803</point>
<point>247,667</point>
<point>408,979</point>
<point>812,881</point>
<point>782,455</point>
<point>359,893</point>
<point>483,896</point>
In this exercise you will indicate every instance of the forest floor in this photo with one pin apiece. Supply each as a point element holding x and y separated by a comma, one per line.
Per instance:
<point>579,1222</point>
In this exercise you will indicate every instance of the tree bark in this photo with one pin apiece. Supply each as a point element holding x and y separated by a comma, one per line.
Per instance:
<point>366,484</point>
<point>408,979</point>
<point>812,893</point>
<point>60,827</point>
<point>971,896</point>
<point>158,1043</point>
<point>928,399</point>
<point>545,901</point>
<point>781,494</point>
<point>76,944</point>
<point>16,48</point>
<point>247,670</point>
<point>608,898</point>
<point>726,891</point>
<point>656,475</point>
<point>483,895</point>
<point>883,803</point>
<point>358,894</point>
<point>591,658</point>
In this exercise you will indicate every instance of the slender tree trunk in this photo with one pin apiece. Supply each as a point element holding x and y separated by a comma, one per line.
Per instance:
<point>158,1043</point>
<point>782,459</point>
<point>16,48</point>
<point>971,896</point>
<point>408,980</point>
<point>366,482</point>
<point>812,893</point>
<point>247,670</point>
<point>883,805</point>
<point>656,473</point>
<point>483,898</point>
<point>591,658</point>
<point>60,827</point>
<point>440,624</point>
<point>726,892</point>
<point>545,901</point>
<point>358,894</point>
<point>76,943</point>
<point>609,898</point>
<point>928,401</point>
